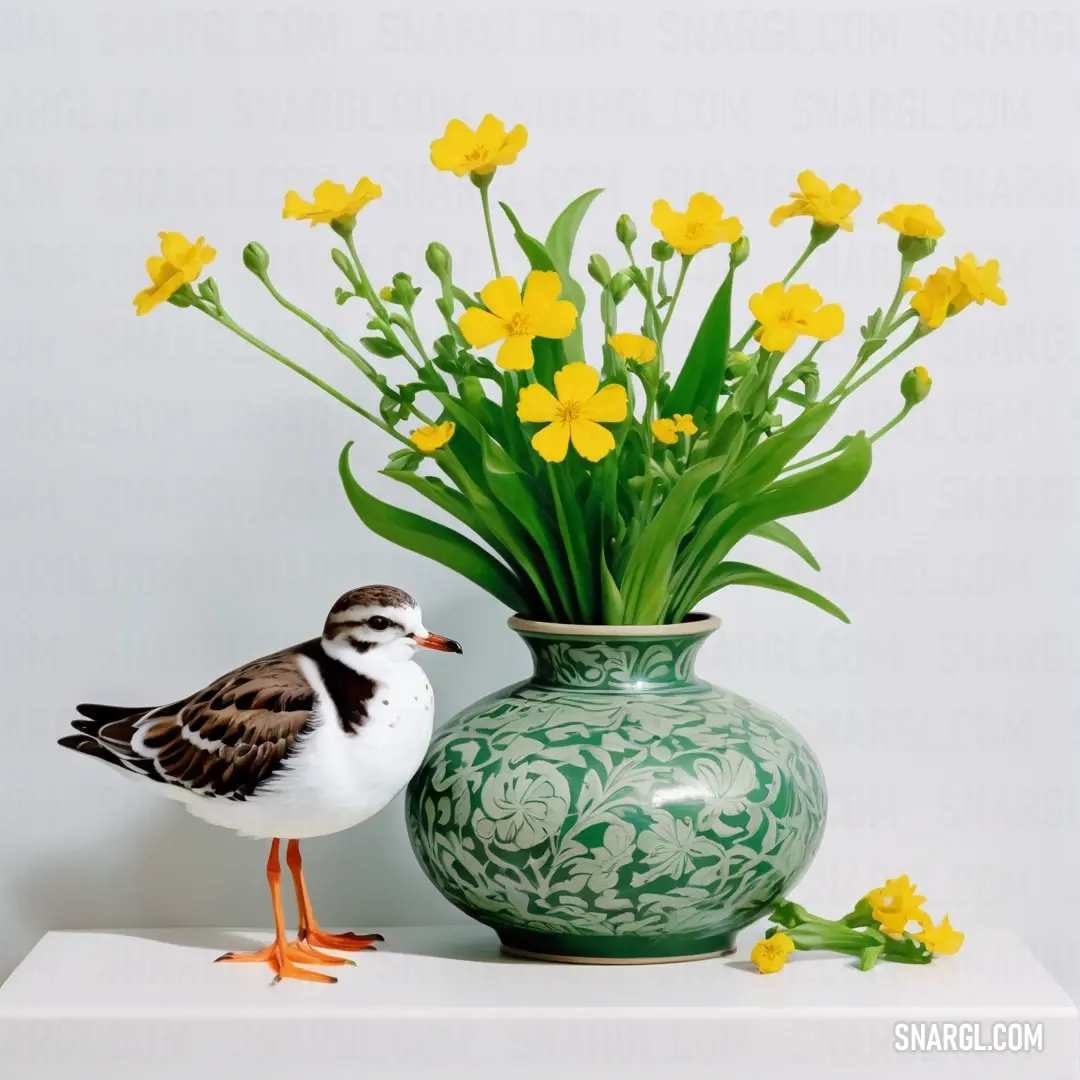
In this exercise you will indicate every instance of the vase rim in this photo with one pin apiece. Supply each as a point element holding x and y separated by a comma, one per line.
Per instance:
<point>697,622</point>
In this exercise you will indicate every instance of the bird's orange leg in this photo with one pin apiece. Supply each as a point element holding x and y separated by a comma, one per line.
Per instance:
<point>282,956</point>
<point>310,934</point>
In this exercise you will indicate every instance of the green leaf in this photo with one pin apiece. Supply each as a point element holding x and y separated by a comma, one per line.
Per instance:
<point>782,535</point>
<point>405,460</point>
<point>611,601</point>
<point>380,347</point>
<point>814,488</point>
<point>562,234</point>
<point>451,500</point>
<point>648,573</point>
<point>464,299</point>
<point>535,252</point>
<point>432,540</point>
<point>800,492</point>
<point>702,376</point>
<point>571,523</point>
<point>559,245</point>
<point>514,492</point>
<point>766,461</point>
<point>737,573</point>
<point>548,357</point>
<point>516,442</point>
<point>869,956</point>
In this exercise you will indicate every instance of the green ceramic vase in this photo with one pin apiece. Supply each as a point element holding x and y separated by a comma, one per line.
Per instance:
<point>615,807</point>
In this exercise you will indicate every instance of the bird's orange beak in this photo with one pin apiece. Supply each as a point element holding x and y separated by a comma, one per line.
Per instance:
<point>436,642</point>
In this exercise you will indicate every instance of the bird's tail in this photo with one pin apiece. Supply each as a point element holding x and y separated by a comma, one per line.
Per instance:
<point>106,733</point>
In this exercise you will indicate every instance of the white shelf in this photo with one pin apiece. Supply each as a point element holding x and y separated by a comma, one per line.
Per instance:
<point>442,1002</point>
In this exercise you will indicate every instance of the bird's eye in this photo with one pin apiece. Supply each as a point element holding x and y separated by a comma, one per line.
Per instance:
<point>378,622</point>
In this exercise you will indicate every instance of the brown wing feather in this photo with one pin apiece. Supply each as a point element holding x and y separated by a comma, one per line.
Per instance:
<point>229,738</point>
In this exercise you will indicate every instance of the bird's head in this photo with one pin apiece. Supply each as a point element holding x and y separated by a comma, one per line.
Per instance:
<point>380,624</point>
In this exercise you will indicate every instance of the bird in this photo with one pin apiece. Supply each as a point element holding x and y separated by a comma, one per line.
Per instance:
<point>304,742</point>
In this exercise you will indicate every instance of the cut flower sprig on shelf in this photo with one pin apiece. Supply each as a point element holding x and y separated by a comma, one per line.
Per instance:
<point>878,928</point>
<point>583,471</point>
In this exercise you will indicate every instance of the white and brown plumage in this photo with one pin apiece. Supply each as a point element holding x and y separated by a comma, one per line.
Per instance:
<point>304,742</point>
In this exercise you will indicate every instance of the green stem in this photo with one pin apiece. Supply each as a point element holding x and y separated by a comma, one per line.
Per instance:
<point>911,313</point>
<point>372,297</point>
<point>893,422</point>
<point>414,336</point>
<point>342,347</point>
<point>809,250</point>
<point>226,321</point>
<point>675,295</point>
<point>905,270</point>
<point>650,305</point>
<point>844,390</point>
<point>490,230</point>
<point>358,361</point>
<point>645,508</point>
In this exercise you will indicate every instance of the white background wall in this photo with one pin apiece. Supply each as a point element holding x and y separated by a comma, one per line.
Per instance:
<point>170,500</point>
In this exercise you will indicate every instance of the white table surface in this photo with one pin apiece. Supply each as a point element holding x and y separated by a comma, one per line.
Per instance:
<point>112,1005</point>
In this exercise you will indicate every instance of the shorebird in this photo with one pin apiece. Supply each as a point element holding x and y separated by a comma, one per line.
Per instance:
<point>304,742</point>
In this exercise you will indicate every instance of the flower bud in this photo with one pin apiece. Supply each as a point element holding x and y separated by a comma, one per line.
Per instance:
<point>256,258</point>
<point>404,290</point>
<point>438,260</point>
<point>599,270</point>
<point>625,230</point>
<point>620,285</point>
<point>662,251</point>
<point>915,385</point>
<point>341,261</point>
<point>914,248</point>
<point>472,392</point>
<point>386,294</point>
<point>738,364</point>
<point>740,252</point>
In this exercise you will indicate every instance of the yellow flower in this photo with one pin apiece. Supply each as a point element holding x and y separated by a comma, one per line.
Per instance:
<point>433,436</point>
<point>668,429</point>
<point>633,347</point>
<point>575,415</point>
<point>978,283</point>
<point>913,219</point>
<point>947,291</point>
<point>462,150</point>
<point>180,263</point>
<point>771,953</point>
<point>941,939</point>
<point>895,904</point>
<point>933,296</point>
<point>331,201</point>
<point>829,207</point>
<point>785,313</point>
<point>702,226</point>
<point>911,284</point>
<point>540,313</point>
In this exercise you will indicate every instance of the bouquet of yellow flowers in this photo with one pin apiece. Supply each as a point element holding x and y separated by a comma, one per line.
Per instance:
<point>877,928</point>
<point>611,491</point>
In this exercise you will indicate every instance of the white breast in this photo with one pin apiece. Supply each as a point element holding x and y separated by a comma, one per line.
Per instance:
<point>334,780</point>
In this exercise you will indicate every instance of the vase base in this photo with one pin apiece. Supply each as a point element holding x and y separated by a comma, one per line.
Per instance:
<point>572,949</point>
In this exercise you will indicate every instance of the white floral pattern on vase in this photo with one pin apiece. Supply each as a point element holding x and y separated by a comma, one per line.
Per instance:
<point>614,806</point>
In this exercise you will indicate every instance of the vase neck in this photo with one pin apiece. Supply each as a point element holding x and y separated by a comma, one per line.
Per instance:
<point>595,660</point>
